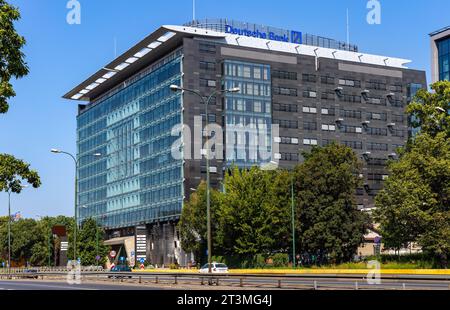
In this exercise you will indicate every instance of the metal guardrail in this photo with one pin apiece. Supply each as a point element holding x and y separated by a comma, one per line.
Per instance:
<point>16,270</point>
<point>355,281</point>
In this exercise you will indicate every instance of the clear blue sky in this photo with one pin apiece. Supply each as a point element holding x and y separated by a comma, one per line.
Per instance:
<point>61,55</point>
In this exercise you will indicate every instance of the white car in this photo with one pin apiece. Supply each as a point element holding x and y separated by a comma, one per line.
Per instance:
<point>215,268</point>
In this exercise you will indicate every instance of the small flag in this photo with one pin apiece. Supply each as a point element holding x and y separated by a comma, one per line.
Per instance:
<point>16,217</point>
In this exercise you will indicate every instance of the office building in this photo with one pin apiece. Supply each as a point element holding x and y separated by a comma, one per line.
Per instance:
<point>316,90</point>
<point>440,55</point>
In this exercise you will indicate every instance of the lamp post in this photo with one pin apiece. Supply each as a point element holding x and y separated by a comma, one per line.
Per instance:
<point>9,228</point>
<point>75,160</point>
<point>206,101</point>
<point>272,165</point>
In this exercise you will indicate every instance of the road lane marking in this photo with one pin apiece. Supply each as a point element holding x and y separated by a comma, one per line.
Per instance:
<point>52,286</point>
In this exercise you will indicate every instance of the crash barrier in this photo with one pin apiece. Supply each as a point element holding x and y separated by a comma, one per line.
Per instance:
<point>293,281</point>
<point>48,269</point>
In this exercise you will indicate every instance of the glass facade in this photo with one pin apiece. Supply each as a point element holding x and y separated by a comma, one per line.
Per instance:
<point>248,115</point>
<point>412,91</point>
<point>136,180</point>
<point>444,59</point>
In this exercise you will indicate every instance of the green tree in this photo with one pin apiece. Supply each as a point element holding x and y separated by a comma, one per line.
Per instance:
<point>330,225</point>
<point>255,212</point>
<point>13,173</point>
<point>192,225</point>
<point>429,111</point>
<point>25,238</point>
<point>90,239</point>
<point>414,205</point>
<point>12,63</point>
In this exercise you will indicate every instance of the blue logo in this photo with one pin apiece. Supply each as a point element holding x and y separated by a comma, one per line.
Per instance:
<point>296,36</point>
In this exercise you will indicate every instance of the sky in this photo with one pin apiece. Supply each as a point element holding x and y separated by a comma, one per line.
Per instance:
<point>60,56</point>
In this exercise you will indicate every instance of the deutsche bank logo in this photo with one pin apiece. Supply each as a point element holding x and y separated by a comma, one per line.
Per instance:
<point>296,37</point>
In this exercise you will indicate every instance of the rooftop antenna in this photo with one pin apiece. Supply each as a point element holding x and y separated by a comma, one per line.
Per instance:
<point>193,10</point>
<point>348,30</point>
<point>115,47</point>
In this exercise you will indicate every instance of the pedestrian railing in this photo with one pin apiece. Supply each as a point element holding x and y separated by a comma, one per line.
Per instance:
<point>304,281</point>
<point>17,270</point>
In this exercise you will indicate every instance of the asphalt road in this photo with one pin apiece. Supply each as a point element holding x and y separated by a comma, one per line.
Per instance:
<point>193,283</point>
<point>61,285</point>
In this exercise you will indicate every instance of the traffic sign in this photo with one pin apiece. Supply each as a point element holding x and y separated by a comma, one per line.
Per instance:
<point>142,260</point>
<point>112,254</point>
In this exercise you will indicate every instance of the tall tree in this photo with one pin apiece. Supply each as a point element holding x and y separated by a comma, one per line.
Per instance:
<point>430,111</point>
<point>255,212</point>
<point>192,225</point>
<point>414,205</point>
<point>12,63</point>
<point>90,243</point>
<point>330,225</point>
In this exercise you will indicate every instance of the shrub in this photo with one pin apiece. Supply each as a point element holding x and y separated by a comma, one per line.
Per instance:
<point>173,266</point>
<point>280,260</point>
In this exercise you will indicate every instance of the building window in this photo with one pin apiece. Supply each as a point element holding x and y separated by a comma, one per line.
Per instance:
<point>286,123</point>
<point>309,110</point>
<point>350,114</point>
<point>288,140</point>
<point>357,145</point>
<point>328,111</point>
<point>376,131</point>
<point>311,78</point>
<point>327,80</point>
<point>351,129</point>
<point>371,146</point>
<point>444,59</point>
<point>207,48</point>
<point>285,107</point>
<point>398,118</point>
<point>308,141</point>
<point>309,94</point>
<point>310,126</point>
<point>328,95</point>
<point>350,82</point>
<point>350,98</point>
<point>326,127</point>
<point>284,75</point>
<point>376,101</point>
<point>398,133</point>
<point>397,103</point>
<point>376,85</point>
<point>207,83</point>
<point>376,116</point>
<point>208,66</point>
<point>289,156</point>
<point>285,91</point>
<point>397,88</point>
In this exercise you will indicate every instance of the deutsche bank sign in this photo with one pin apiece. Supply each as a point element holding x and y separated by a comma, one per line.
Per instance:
<point>295,37</point>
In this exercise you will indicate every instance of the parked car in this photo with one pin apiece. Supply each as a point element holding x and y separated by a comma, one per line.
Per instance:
<point>31,272</point>
<point>215,268</point>
<point>119,269</point>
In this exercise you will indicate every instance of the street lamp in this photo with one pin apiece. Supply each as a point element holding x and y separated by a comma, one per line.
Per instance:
<point>439,109</point>
<point>9,229</point>
<point>75,160</point>
<point>205,100</point>
<point>272,165</point>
